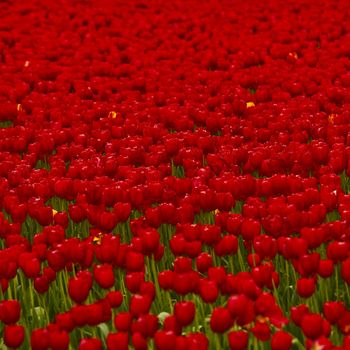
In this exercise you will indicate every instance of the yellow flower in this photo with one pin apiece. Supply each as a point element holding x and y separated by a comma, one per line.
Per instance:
<point>250,104</point>
<point>331,119</point>
<point>262,319</point>
<point>112,114</point>
<point>97,239</point>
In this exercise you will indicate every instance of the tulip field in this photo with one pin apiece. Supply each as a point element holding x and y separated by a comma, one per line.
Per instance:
<point>175,175</point>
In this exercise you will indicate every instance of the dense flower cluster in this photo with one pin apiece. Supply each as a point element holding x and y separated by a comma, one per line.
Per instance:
<point>175,174</point>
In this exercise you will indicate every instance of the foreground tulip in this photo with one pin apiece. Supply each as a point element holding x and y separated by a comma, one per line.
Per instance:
<point>333,310</point>
<point>241,309</point>
<point>123,321</point>
<point>10,311</point>
<point>197,341</point>
<point>104,275</point>
<point>13,336</point>
<point>140,304</point>
<point>208,291</point>
<point>58,340</point>
<point>185,312</point>
<point>220,320</point>
<point>39,339</point>
<point>165,340</point>
<point>117,341</point>
<point>298,313</point>
<point>79,288</point>
<point>306,287</point>
<point>261,331</point>
<point>115,298</point>
<point>90,344</point>
<point>281,340</point>
<point>171,324</point>
<point>30,265</point>
<point>139,342</point>
<point>312,326</point>
<point>203,262</point>
<point>238,340</point>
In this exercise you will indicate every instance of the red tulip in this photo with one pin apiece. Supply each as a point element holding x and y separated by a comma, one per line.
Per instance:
<point>208,291</point>
<point>115,298</point>
<point>309,263</point>
<point>165,340</point>
<point>147,325</point>
<point>134,261</point>
<point>253,260</point>
<point>203,262</point>
<point>227,246</point>
<point>265,246</point>
<point>44,216</point>
<point>123,321</point>
<point>250,228</point>
<point>134,280</point>
<point>262,275</point>
<point>210,235</point>
<point>241,308</point>
<point>61,219</point>
<point>41,284</point>
<point>333,310</point>
<point>10,311</point>
<point>55,260</point>
<point>65,321</point>
<point>234,223</point>
<point>79,288</point>
<point>197,341</point>
<point>58,340</point>
<point>185,282</point>
<point>150,241</point>
<point>298,312</point>
<point>139,342</point>
<point>326,268</point>
<point>90,344</point>
<point>264,304</point>
<point>306,287</point>
<point>13,336</point>
<point>140,304</point>
<point>281,340</point>
<point>123,211</point>
<point>343,323</point>
<point>337,251</point>
<point>104,275</point>
<point>217,274</point>
<point>117,341</point>
<point>29,264</point>
<point>184,312</point>
<point>80,315</point>
<point>107,221</point>
<point>182,265</point>
<point>220,320</point>
<point>39,339</point>
<point>261,331</point>
<point>312,326</point>
<point>76,213</point>
<point>171,324</point>
<point>238,340</point>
